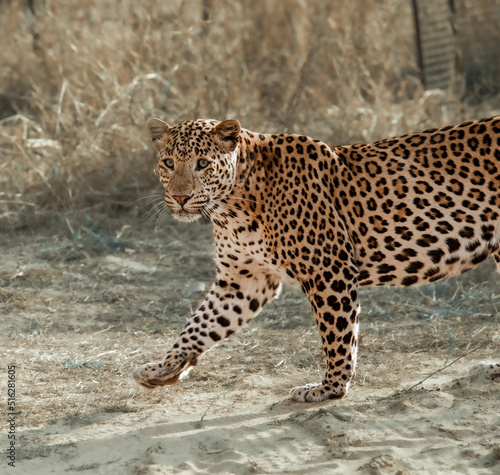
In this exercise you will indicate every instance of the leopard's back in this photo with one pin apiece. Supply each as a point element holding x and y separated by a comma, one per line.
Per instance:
<point>423,206</point>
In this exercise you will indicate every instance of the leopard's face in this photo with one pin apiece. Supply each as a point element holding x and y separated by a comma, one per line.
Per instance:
<point>197,164</point>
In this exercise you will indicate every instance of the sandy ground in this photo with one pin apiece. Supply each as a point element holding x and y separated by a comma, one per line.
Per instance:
<point>79,311</point>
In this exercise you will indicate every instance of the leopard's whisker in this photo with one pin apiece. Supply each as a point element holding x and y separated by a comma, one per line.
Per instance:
<point>236,207</point>
<point>152,197</point>
<point>155,201</point>
<point>154,214</point>
<point>214,212</point>
<point>222,210</point>
<point>153,207</point>
<point>231,197</point>
<point>159,215</point>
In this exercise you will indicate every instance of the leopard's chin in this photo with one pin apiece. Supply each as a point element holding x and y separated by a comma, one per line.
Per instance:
<point>186,216</point>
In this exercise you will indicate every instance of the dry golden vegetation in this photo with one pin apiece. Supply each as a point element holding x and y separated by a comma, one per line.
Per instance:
<point>79,79</point>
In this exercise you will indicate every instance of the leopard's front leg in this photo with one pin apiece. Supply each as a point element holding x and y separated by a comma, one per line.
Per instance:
<point>236,297</point>
<point>334,299</point>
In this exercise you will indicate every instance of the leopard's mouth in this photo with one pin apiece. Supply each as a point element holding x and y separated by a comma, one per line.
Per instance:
<point>190,212</point>
<point>186,216</point>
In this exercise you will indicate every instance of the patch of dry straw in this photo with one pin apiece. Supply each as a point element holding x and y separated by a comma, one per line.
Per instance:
<point>80,79</point>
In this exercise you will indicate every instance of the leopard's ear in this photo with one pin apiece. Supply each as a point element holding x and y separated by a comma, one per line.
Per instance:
<point>227,132</point>
<point>157,130</point>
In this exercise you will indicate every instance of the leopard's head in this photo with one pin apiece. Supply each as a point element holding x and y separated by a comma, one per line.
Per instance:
<point>197,164</point>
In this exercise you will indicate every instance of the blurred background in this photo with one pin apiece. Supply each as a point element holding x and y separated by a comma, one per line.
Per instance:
<point>79,79</point>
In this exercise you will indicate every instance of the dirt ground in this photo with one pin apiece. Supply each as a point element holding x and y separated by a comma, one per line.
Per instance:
<point>82,306</point>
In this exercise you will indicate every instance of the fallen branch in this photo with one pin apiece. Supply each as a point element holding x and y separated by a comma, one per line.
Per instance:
<point>199,424</point>
<point>406,391</point>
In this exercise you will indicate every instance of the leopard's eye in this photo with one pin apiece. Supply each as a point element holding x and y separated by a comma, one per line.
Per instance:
<point>202,163</point>
<point>169,163</point>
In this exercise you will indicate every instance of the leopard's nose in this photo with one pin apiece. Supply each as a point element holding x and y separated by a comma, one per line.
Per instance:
<point>181,199</point>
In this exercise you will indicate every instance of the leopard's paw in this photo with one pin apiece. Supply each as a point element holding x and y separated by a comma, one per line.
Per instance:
<point>486,370</point>
<point>164,373</point>
<point>316,393</point>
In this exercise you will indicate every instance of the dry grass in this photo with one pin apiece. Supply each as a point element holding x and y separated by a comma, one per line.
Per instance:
<point>79,80</point>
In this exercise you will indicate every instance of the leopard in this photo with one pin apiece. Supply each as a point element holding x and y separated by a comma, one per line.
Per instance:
<point>403,211</point>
